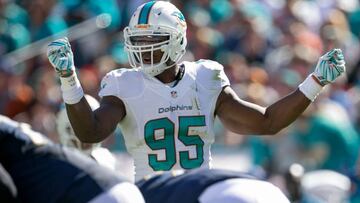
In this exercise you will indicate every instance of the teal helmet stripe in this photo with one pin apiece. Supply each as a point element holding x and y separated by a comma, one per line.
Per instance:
<point>144,13</point>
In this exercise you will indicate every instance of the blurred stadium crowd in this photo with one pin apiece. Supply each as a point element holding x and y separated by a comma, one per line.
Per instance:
<point>266,46</point>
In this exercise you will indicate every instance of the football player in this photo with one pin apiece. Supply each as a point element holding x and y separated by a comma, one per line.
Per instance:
<point>208,186</point>
<point>67,137</point>
<point>45,172</point>
<point>165,108</point>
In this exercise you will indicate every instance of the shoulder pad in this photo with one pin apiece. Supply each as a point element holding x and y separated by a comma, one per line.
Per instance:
<point>211,75</point>
<point>22,131</point>
<point>122,83</point>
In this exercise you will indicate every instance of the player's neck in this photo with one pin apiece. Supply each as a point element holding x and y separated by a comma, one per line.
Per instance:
<point>169,75</point>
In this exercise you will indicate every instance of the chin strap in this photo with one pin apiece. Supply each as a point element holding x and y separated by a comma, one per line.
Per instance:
<point>179,75</point>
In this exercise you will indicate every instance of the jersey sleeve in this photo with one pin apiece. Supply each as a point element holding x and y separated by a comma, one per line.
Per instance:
<point>122,83</point>
<point>211,75</point>
<point>108,86</point>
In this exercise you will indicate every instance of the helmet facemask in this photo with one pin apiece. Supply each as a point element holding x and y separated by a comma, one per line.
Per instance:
<point>141,55</point>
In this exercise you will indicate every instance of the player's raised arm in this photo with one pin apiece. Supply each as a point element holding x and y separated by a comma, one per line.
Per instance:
<point>89,126</point>
<point>247,118</point>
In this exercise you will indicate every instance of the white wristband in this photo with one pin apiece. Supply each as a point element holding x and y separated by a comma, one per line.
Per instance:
<point>310,88</point>
<point>71,89</point>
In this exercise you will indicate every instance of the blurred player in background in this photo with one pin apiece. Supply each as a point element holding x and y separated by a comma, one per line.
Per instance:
<point>166,109</point>
<point>67,137</point>
<point>44,172</point>
<point>317,186</point>
<point>208,186</point>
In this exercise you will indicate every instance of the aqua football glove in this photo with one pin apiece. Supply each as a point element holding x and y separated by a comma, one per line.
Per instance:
<point>329,67</point>
<point>61,57</point>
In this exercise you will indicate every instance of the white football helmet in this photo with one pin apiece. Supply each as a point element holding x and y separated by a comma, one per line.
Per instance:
<point>66,133</point>
<point>156,19</point>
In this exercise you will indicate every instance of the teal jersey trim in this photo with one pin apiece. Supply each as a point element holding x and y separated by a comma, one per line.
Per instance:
<point>144,13</point>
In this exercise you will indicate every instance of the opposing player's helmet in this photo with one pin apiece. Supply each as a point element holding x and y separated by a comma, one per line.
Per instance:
<point>156,19</point>
<point>66,133</point>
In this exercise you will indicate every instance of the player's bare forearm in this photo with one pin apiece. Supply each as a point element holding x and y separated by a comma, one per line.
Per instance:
<point>82,120</point>
<point>247,118</point>
<point>94,126</point>
<point>285,111</point>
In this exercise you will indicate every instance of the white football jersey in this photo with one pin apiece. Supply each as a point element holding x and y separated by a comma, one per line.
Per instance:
<point>167,127</point>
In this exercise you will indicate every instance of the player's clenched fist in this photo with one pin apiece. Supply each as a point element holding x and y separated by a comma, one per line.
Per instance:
<point>61,57</point>
<point>330,66</point>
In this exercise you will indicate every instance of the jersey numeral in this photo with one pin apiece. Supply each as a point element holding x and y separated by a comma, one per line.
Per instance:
<point>167,143</point>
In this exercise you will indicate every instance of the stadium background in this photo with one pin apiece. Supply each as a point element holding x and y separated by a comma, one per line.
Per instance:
<point>266,46</point>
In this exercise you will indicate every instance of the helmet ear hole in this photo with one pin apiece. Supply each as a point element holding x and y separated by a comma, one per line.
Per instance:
<point>182,41</point>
